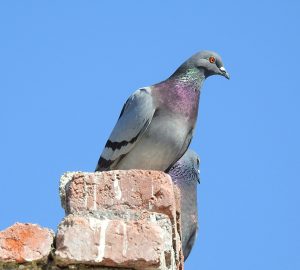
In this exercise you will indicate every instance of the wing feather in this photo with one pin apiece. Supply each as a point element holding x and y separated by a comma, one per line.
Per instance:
<point>134,119</point>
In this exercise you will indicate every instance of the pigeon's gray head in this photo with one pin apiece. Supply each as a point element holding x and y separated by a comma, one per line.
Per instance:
<point>208,62</point>
<point>186,169</point>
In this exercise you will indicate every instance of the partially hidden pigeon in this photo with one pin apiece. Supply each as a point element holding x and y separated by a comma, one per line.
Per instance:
<point>185,174</point>
<point>156,124</point>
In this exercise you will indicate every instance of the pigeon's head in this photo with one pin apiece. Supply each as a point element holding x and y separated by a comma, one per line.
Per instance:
<point>192,161</point>
<point>186,168</point>
<point>208,62</point>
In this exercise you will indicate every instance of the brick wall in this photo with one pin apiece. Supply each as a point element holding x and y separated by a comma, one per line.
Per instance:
<point>116,219</point>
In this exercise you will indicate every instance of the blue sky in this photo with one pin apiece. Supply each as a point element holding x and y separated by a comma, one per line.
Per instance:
<point>67,67</point>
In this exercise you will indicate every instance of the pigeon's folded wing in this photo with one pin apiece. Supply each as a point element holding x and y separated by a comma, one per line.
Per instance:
<point>134,119</point>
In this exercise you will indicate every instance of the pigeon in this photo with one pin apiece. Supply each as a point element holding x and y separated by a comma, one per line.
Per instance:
<point>185,174</point>
<point>157,123</point>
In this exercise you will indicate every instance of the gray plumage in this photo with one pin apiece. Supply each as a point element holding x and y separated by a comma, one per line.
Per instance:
<point>185,174</point>
<point>156,124</point>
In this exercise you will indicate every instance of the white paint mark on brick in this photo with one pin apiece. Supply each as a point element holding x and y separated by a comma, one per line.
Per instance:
<point>95,225</point>
<point>153,218</point>
<point>125,240</point>
<point>117,188</point>
<point>101,247</point>
<point>163,261</point>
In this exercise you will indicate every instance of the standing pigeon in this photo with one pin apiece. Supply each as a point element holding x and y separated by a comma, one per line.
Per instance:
<point>156,124</point>
<point>185,174</point>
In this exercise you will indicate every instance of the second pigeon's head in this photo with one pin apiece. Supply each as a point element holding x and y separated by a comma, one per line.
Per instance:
<point>186,169</point>
<point>208,62</point>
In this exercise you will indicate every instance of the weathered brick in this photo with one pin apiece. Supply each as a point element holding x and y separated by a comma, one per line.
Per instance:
<point>141,244</point>
<point>23,243</point>
<point>133,189</point>
<point>120,218</point>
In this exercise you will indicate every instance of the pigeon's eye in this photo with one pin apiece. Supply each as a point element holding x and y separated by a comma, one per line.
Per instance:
<point>212,59</point>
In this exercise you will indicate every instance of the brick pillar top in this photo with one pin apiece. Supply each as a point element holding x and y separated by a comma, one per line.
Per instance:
<point>120,219</point>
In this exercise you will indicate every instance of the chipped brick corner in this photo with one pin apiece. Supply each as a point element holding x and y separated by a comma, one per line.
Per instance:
<point>114,220</point>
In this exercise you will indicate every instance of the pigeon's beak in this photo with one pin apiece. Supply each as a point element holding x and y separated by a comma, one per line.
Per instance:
<point>224,73</point>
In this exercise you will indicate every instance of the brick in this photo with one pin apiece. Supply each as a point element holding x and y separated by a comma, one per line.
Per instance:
<point>141,244</point>
<point>22,243</point>
<point>115,190</point>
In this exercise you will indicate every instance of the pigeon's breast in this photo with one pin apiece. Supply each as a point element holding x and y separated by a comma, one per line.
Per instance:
<point>160,145</point>
<point>181,100</point>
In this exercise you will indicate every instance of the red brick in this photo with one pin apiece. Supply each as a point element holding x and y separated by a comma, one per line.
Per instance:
<point>135,189</point>
<point>25,243</point>
<point>141,244</point>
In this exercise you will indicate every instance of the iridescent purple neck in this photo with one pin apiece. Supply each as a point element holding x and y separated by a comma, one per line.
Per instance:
<point>180,93</point>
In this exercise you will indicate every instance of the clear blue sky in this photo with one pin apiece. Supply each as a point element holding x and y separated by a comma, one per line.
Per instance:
<point>67,67</point>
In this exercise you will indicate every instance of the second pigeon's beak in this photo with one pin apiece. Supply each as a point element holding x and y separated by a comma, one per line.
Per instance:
<point>224,73</point>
